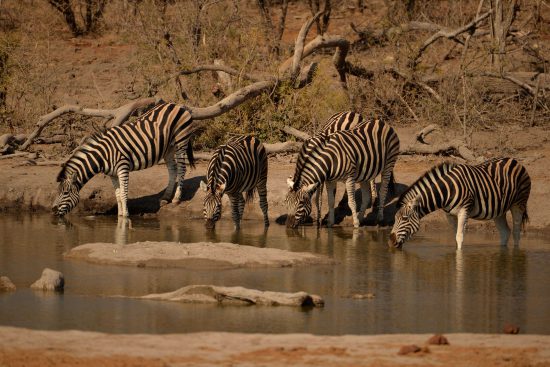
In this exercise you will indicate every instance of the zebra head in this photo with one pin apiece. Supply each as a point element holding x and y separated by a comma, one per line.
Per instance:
<point>298,203</point>
<point>67,193</point>
<point>212,204</point>
<point>407,222</point>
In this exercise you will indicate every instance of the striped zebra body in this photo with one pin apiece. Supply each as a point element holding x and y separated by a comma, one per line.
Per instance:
<point>338,122</point>
<point>164,132</point>
<point>235,168</point>
<point>484,191</point>
<point>357,155</point>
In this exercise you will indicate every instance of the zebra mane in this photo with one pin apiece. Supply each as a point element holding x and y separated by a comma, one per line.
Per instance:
<point>442,167</point>
<point>215,166</point>
<point>309,147</point>
<point>86,142</point>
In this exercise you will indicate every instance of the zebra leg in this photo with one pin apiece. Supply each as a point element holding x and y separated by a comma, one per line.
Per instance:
<point>503,229</point>
<point>241,207</point>
<point>331,191</point>
<point>172,173</point>
<point>262,193</point>
<point>364,202</point>
<point>123,177</point>
<point>237,208</point>
<point>318,194</point>
<point>453,221</point>
<point>181,169</point>
<point>386,174</point>
<point>517,218</point>
<point>461,226</point>
<point>373,192</point>
<point>116,185</point>
<point>350,189</point>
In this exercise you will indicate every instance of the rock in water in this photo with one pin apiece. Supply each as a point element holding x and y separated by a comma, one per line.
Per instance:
<point>6,284</point>
<point>51,280</point>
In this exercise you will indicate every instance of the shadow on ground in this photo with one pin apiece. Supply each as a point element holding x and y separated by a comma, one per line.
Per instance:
<point>342,210</point>
<point>151,203</point>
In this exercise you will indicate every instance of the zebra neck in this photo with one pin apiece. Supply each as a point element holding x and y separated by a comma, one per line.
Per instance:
<point>85,166</point>
<point>429,198</point>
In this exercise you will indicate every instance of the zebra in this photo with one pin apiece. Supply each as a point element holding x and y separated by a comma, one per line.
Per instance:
<point>236,167</point>
<point>347,120</point>
<point>357,155</point>
<point>484,191</point>
<point>162,132</point>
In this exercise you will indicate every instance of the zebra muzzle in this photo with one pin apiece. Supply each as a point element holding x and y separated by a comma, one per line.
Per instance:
<point>210,224</point>
<point>392,242</point>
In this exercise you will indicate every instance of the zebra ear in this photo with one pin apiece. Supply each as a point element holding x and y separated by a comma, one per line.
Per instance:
<point>290,183</point>
<point>203,185</point>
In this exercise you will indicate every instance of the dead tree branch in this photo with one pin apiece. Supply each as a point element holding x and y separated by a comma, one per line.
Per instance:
<point>118,115</point>
<point>450,34</point>
<point>295,132</point>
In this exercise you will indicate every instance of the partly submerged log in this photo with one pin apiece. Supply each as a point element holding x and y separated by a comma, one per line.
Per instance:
<point>237,296</point>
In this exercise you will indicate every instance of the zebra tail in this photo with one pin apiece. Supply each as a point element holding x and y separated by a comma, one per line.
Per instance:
<point>391,185</point>
<point>250,195</point>
<point>190,156</point>
<point>524,219</point>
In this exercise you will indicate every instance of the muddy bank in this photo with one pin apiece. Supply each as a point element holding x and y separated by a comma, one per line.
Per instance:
<point>200,255</point>
<point>29,348</point>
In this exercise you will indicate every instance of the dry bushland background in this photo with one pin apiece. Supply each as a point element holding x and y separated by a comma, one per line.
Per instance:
<point>111,52</point>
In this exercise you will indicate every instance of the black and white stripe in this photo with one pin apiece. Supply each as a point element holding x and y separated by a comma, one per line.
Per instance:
<point>484,191</point>
<point>357,155</point>
<point>162,132</point>
<point>236,167</point>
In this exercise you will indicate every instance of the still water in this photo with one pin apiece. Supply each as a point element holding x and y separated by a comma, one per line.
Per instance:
<point>428,287</point>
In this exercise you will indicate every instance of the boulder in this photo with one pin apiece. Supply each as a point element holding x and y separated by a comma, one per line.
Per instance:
<point>6,284</point>
<point>200,255</point>
<point>237,296</point>
<point>51,280</point>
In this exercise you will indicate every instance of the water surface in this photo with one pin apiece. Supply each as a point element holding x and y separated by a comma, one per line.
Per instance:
<point>427,287</point>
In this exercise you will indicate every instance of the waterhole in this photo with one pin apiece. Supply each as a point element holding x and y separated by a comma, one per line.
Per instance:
<point>427,287</point>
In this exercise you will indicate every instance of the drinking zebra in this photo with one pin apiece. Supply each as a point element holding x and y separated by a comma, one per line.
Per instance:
<point>485,191</point>
<point>236,167</point>
<point>162,132</point>
<point>339,121</point>
<point>357,155</point>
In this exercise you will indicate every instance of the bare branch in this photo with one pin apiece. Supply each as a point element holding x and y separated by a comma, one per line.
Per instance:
<point>119,115</point>
<point>295,132</point>
<point>450,34</point>
<point>232,100</point>
<point>299,45</point>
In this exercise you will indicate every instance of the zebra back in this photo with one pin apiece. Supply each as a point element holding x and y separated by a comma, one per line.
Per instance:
<point>366,150</point>
<point>240,164</point>
<point>142,143</point>
<point>490,188</point>
<point>337,122</point>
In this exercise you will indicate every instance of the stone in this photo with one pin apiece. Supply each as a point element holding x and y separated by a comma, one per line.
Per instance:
<point>408,349</point>
<point>6,284</point>
<point>200,255</point>
<point>237,296</point>
<point>51,280</point>
<point>438,339</point>
<point>510,329</point>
